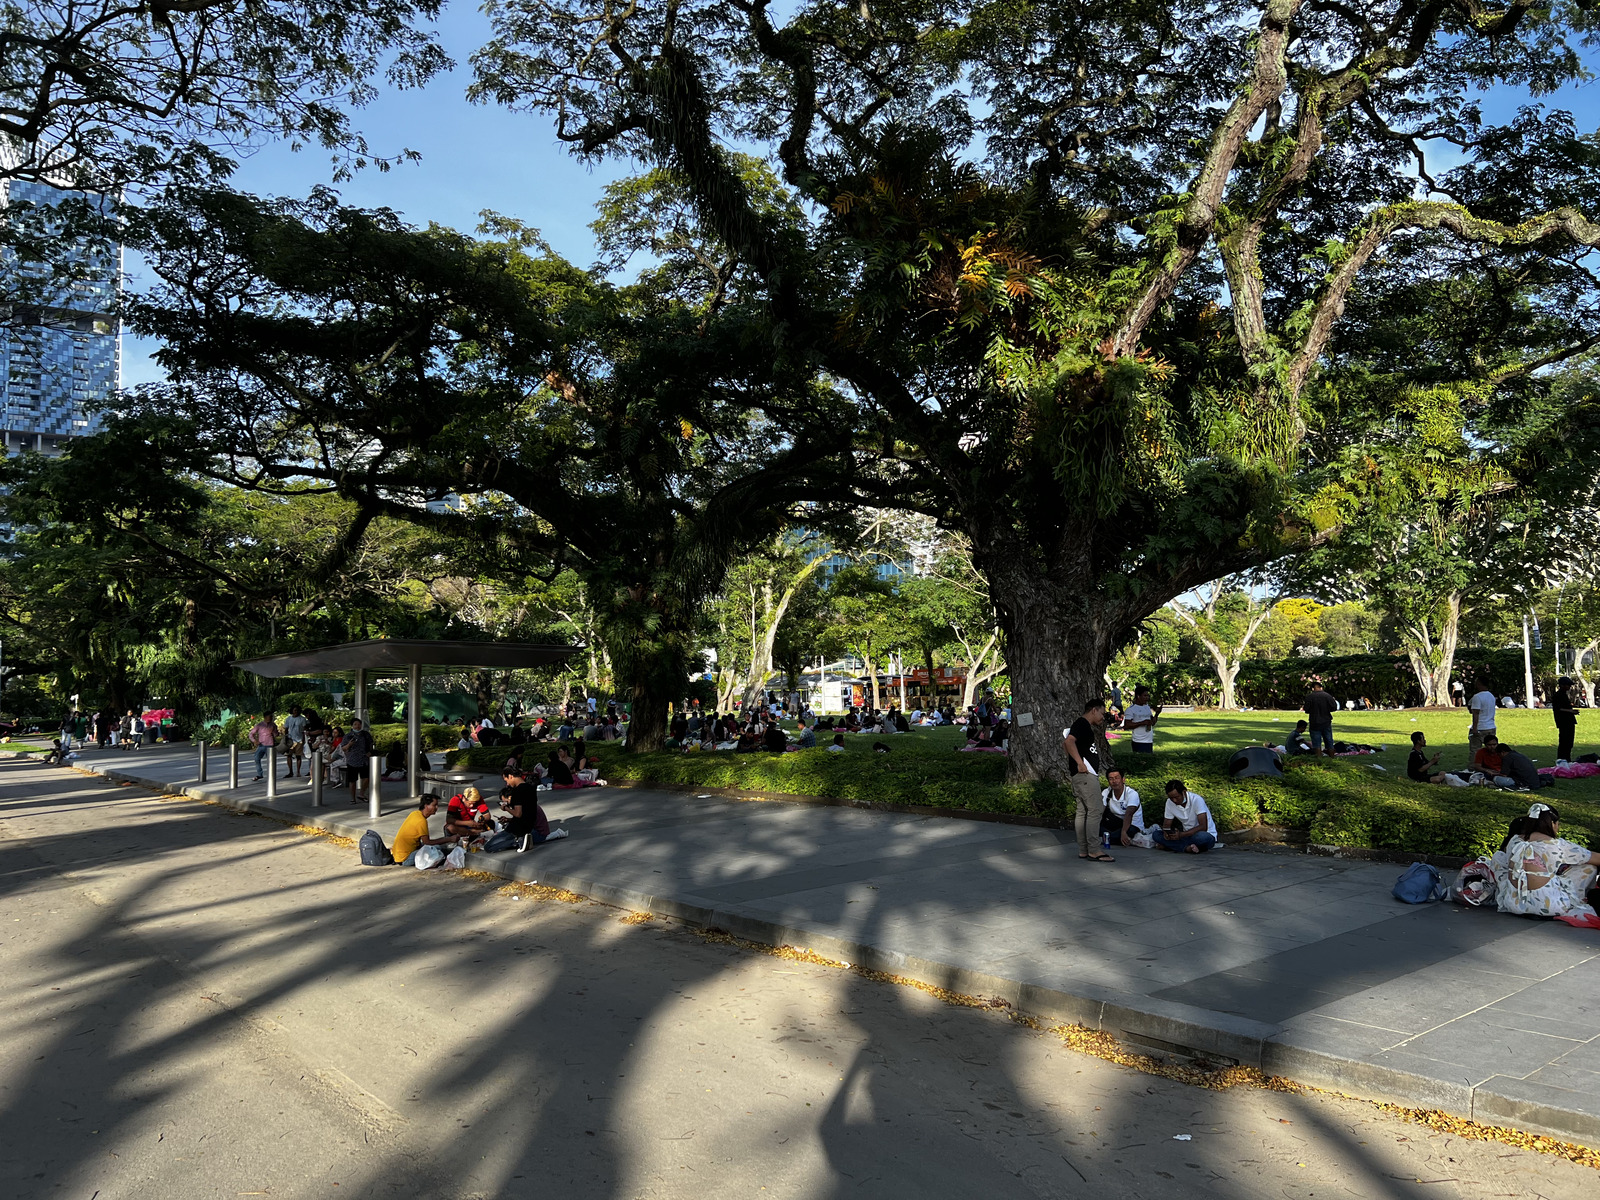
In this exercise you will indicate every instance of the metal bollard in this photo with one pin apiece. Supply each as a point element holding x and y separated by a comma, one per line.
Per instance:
<point>272,772</point>
<point>316,779</point>
<point>374,787</point>
<point>233,765</point>
<point>202,778</point>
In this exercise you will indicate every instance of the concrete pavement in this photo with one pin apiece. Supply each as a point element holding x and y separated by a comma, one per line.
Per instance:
<point>1306,967</point>
<point>201,1005</point>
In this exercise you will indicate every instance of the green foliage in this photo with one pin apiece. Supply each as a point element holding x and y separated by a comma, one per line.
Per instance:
<point>1343,802</point>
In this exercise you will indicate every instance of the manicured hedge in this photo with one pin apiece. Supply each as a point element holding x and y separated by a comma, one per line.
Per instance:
<point>1341,802</point>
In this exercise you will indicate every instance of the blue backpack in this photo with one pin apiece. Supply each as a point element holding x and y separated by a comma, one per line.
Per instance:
<point>1418,884</point>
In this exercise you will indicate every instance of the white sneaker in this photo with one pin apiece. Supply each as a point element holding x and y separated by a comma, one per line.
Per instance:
<point>556,834</point>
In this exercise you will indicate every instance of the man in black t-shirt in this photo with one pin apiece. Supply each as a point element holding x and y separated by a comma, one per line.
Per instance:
<point>1419,766</point>
<point>526,825</point>
<point>1320,708</point>
<point>1083,757</point>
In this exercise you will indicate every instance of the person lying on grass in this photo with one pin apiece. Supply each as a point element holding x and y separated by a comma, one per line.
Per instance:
<point>1187,822</point>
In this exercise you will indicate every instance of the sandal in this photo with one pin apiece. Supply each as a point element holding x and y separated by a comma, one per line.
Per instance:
<point>1101,857</point>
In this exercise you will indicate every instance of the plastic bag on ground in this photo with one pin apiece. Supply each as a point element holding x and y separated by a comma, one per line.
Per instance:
<point>456,860</point>
<point>428,857</point>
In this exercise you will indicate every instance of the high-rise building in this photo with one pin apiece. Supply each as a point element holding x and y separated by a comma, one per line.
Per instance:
<point>60,352</point>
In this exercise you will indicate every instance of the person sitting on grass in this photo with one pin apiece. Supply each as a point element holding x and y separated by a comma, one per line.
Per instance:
<point>774,739</point>
<point>838,744</point>
<point>1419,767</point>
<point>1519,769</point>
<point>805,737</point>
<point>1187,821</point>
<point>413,833</point>
<point>1299,742</point>
<point>1489,757</point>
<point>525,824</point>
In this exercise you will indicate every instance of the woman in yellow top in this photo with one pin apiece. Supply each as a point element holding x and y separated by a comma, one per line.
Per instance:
<point>413,833</point>
<point>1546,875</point>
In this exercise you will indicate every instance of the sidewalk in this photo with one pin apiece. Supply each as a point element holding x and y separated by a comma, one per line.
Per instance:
<point>1305,967</point>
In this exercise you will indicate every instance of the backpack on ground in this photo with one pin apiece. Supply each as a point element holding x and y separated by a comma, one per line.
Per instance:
<point>1418,884</point>
<point>373,852</point>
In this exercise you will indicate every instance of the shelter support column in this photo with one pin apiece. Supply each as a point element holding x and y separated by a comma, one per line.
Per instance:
<point>414,729</point>
<point>361,694</point>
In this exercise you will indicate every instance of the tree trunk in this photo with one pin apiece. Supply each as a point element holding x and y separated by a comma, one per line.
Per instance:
<point>647,724</point>
<point>1227,673</point>
<point>1588,681</point>
<point>1058,644</point>
<point>1433,664</point>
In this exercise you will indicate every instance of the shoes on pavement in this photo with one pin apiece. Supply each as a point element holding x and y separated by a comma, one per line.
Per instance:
<point>556,834</point>
<point>256,779</point>
<point>523,844</point>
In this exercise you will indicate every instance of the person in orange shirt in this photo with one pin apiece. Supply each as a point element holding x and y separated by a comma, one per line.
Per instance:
<point>1488,759</point>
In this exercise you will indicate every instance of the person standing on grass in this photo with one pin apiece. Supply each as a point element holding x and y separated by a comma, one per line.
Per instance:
<point>1140,720</point>
<point>1083,756</point>
<point>1319,708</point>
<point>1187,824</point>
<point>1564,708</point>
<point>1482,707</point>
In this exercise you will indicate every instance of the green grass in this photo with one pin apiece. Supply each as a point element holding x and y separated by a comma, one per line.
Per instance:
<point>1340,801</point>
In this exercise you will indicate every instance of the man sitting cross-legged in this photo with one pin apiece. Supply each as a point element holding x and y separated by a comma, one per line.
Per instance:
<point>1187,823</point>
<point>526,824</point>
<point>1419,767</point>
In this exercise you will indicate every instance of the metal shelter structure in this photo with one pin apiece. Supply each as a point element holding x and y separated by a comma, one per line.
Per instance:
<point>378,657</point>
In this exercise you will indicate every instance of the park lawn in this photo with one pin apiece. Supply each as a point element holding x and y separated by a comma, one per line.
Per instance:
<point>1340,802</point>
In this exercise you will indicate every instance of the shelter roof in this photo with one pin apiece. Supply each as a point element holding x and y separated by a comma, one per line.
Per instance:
<point>398,654</point>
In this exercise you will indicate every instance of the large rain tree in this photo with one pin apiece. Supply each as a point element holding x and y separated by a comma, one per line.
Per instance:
<point>489,391</point>
<point>1081,266</point>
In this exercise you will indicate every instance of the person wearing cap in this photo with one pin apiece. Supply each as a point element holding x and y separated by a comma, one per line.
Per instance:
<point>1546,875</point>
<point>467,815</point>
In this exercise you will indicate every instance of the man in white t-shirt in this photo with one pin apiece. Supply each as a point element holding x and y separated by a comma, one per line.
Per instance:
<point>1123,818</point>
<point>1140,719</point>
<point>1482,708</point>
<point>1186,826</point>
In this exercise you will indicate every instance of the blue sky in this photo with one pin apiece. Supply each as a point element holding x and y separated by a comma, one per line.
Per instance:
<point>481,156</point>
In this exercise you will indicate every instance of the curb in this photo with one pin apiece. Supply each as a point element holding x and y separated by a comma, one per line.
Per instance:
<point>1143,1021</point>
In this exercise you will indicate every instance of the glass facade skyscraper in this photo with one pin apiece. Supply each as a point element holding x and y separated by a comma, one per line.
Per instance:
<point>60,352</point>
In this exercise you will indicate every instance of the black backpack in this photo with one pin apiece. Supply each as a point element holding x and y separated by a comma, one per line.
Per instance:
<point>373,852</point>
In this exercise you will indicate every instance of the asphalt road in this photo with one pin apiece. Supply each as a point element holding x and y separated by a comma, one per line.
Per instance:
<point>198,1004</point>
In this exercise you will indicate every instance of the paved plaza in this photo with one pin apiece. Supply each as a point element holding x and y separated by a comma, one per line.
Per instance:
<point>1304,966</point>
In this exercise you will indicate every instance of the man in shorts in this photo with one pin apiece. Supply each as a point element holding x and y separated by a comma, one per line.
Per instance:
<point>294,740</point>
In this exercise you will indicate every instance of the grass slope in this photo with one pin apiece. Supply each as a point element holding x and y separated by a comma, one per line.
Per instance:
<point>1342,802</point>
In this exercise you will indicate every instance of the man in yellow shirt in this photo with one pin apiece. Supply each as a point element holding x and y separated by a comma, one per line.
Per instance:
<point>413,833</point>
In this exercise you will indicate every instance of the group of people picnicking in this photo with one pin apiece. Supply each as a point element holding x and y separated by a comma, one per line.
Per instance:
<point>1491,761</point>
<point>518,824</point>
<point>1538,873</point>
<point>125,731</point>
<point>576,720</point>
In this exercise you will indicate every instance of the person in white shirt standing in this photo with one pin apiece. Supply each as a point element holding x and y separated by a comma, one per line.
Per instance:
<point>1123,818</point>
<point>1187,824</point>
<point>1482,708</point>
<point>1140,720</point>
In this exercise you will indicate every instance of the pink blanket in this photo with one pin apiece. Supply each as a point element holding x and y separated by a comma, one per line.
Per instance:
<point>1572,770</point>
